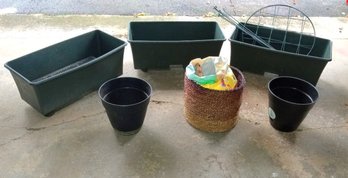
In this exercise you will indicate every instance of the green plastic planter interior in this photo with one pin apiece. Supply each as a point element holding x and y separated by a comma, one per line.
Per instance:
<point>158,45</point>
<point>58,75</point>
<point>258,59</point>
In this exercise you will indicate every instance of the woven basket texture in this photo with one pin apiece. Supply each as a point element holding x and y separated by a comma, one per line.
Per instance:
<point>213,110</point>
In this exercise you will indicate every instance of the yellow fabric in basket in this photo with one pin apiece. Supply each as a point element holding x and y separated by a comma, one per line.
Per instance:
<point>226,82</point>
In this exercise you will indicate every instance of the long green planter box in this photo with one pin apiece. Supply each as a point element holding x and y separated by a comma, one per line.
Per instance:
<point>158,45</point>
<point>252,57</point>
<point>58,75</point>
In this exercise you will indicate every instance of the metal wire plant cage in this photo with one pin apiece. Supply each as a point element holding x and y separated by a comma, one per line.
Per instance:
<point>279,27</point>
<point>296,32</point>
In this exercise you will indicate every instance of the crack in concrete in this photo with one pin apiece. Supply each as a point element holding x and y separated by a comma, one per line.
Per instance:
<point>64,122</point>
<point>31,130</point>
<point>163,102</point>
<point>258,122</point>
<point>160,101</point>
<point>34,129</point>
<point>319,128</point>
<point>14,139</point>
<point>11,127</point>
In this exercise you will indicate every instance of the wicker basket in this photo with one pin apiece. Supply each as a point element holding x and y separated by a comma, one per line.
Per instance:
<point>212,110</point>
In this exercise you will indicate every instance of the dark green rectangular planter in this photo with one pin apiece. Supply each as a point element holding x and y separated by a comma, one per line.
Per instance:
<point>157,45</point>
<point>58,75</point>
<point>258,59</point>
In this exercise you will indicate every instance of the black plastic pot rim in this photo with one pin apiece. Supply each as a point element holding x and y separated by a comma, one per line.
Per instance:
<point>283,52</point>
<point>289,102</point>
<point>84,65</point>
<point>123,105</point>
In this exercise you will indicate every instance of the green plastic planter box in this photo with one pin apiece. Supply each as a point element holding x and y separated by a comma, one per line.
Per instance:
<point>258,59</point>
<point>158,45</point>
<point>58,75</point>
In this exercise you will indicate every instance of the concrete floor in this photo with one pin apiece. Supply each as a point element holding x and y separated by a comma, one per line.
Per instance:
<point>323,8</point>
<point>78,141</point>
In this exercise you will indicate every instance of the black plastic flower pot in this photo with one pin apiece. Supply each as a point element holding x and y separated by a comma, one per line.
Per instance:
<point>125,100</point>
<point>290,100</point>
<point>53,77</point>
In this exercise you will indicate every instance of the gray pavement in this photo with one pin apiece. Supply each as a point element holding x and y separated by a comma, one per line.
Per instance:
<point>78,140</point>
<point>162,7</point>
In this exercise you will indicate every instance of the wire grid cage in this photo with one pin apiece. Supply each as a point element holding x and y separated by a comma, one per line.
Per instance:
<point>284,27</point>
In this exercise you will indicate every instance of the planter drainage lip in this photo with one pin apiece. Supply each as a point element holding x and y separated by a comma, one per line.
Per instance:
<point>130,37</point>
<point>99,58</point>
<point>126,105</point>
<point>309,57</point>
<point>289,102</point>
